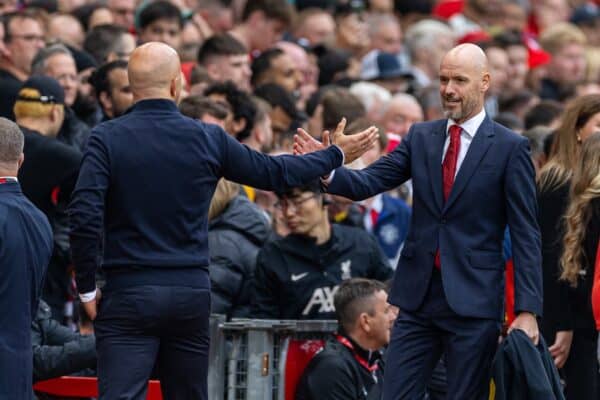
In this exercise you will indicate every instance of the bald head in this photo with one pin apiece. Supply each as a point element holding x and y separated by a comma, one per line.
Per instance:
<point>154,72</point>
<point>464,79</point>
<point>469,55</point>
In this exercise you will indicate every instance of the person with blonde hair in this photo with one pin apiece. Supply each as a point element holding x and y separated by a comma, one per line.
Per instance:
<point>582,225</point>
<point>580,120</point>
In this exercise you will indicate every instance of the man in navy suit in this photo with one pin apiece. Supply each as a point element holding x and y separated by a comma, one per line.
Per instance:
<point>144,189</point>
<point>471,178</point>
<point>25,249</point>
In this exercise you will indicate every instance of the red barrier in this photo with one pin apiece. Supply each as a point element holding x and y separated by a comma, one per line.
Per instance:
<point>71,386</point>
<point>299,354</point>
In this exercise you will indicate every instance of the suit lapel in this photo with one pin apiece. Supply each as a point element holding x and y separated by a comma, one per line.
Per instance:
<point>479,146</point>
<point>435,149</point>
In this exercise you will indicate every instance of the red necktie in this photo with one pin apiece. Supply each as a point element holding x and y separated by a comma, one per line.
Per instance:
<point>374,216</point>
<point>449,170</point>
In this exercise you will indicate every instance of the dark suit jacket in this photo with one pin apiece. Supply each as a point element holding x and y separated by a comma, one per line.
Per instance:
<point>494,187</point>
<point>25,248</point>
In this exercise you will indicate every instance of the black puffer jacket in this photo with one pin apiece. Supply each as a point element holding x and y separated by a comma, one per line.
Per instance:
<point>234,238</point>
<point>57,350</point>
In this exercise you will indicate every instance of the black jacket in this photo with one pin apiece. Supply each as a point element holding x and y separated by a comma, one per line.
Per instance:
<point>558,314</point>
<point>73,132</point>
<point>57,350</point>
<point>524,371</point>
<point>297,279</point>
<point>234,238</point>
<point>335,374</point>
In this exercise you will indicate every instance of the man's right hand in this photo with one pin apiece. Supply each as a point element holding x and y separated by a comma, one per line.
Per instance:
<point>353,146</point>
<point>561,347</point>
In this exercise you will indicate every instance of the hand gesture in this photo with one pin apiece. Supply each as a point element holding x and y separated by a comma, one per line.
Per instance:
<point>353,146</point>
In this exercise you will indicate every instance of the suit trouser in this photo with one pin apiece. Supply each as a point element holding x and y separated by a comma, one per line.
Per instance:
<point>139,326</point>
<point>581,368</point>
<point>418,340</point>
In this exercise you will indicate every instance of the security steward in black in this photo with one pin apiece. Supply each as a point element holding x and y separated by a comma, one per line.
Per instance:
<point>350,365</point>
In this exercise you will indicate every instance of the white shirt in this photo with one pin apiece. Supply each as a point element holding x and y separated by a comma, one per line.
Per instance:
<point>469,129</point>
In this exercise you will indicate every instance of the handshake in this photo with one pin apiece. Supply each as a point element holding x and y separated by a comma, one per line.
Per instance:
<point>353,146</point>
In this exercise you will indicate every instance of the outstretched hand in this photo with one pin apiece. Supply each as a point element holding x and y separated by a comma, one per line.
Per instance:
<point>353,146</point>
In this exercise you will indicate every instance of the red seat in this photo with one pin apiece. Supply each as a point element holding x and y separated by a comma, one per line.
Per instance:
<point>299,354</point>
<point>71,386</point>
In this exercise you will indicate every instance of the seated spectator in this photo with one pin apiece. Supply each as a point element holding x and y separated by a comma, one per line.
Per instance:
<point>206,110</point>
<point>537,137</point>
<point>275,66</point>
<point>111,85</point>
<point>399,114</point>
<point>237,230</point>
<point>350,365</point>
<point>313,27</point>
<point>225,58</point>
<point>108,43</point>
<point>546,113</point>
<point>241,104</point>
<point>160,21</point>
<point>297,276</point>
<point>284,114</point>
<point>217,14</point>
<point>57,350</point>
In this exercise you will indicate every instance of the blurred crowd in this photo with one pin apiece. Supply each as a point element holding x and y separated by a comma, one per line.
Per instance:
<point>262,69</point>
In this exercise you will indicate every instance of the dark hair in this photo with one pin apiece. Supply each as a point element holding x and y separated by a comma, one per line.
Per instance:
<point>262,63</point>
<point>159,10</point>
<point>8,17</point>
<point>313,186</point>
<point>277,96</point>
<point>84,13</point>
<point>543,113</point>
<point>220,45</point>
<point>103,40</point>
<point>509,120</point>
<point>273,9</point>
<point>515,102</point>
<point>196,106</point>
<point>99,79</point>
<point>537,139</point>
<point>240,102</point>
<point>338,103</point>
<point>507,39</point>
<point>354,297</point>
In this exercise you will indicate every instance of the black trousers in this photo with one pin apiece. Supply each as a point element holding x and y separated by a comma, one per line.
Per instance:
<point>140,326</point>
<point>581,369</point>
<point>418,340</point>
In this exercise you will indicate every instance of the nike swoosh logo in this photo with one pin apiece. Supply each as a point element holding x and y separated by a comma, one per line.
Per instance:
<point>296,278</point>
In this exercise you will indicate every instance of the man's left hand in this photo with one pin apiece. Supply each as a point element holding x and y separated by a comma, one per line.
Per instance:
<point>526,322</point>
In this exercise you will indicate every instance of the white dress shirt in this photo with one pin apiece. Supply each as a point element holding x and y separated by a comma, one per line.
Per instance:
<point>469,129</point>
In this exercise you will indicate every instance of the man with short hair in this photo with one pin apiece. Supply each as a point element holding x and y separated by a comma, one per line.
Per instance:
<point>399,114</point>
<point>205,109</point>
<point>161,21</point>
<point>298,275</point>
<point>123,12</point>
<point>275,66</point>
<point>225,58</point>
<point>141,206</point>
<point>23,38</point>
<point>111,85</point>
<point>313,27</point>
<point>566,44</point>
<point>26,240</point>
<point>350,365</point>
<point>56,61</point>
<point>66,29</point>
<point>217,14</point>
<point>107,43</point>
<point>263,24</point>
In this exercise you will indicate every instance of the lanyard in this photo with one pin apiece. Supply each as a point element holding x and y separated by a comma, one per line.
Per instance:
<point>361,361</point>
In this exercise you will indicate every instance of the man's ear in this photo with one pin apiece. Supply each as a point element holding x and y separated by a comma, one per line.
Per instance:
<point>485,82</point>
<point>363,321</point>
<point>20,161</point>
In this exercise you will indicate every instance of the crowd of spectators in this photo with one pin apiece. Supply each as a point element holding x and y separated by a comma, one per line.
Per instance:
<point>262,69</point>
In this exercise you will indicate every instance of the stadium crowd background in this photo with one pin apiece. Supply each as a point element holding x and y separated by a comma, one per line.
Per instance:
<point>264,68</point>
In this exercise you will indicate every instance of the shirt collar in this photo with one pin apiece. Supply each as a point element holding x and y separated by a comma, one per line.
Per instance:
<point>471,125</point>
<point>10,178</point>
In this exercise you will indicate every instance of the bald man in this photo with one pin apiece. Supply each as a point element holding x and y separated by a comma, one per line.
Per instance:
<point>144,189</point>
<point>471,178</point>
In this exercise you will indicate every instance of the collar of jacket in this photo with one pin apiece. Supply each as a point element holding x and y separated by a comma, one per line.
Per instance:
<point>153,105</point>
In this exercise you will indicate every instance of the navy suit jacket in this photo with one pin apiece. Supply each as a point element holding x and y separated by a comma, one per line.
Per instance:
<point>25,249</point>
<point>494,187</point>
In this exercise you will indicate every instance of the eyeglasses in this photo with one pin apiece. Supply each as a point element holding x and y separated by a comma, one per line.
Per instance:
<point>30,38</point>
<point>296,203</point>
